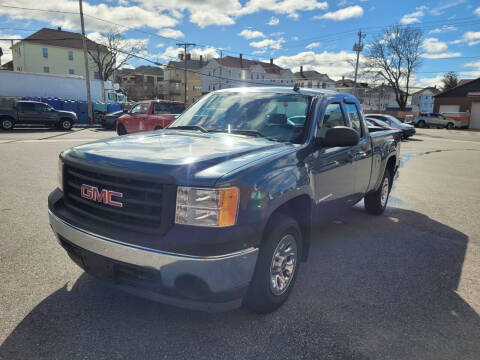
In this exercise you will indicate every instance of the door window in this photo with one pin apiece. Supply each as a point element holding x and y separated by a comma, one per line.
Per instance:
<point>177,108</point>
<point>354,117</point>
<point>333,117</point>
<point>135,109</point>
<point>143,108</point>
<point>28,107</point>
<point>161,108</point>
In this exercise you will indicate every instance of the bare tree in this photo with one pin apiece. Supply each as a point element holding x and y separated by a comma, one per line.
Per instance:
<point>449,80</point>
<point>394,56</point>
<point>112,51</point>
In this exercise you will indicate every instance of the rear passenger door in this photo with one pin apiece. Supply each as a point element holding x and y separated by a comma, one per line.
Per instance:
<point>27,114</point>
<point>362,152</point>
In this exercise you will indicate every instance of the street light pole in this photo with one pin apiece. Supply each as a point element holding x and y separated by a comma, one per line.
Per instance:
<point>185,45</point>
<point>87,73</point>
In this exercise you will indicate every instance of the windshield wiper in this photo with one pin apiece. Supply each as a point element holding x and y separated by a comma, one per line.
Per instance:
<point>241,132</point>
<point>189,127</point>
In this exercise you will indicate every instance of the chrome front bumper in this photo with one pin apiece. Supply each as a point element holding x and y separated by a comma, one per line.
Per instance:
<point>222,273</point>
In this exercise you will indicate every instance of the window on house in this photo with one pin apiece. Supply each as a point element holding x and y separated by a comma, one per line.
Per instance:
<point>71,71</point>
<point>324,85</point>
<point>251,76</point>
<point>46,69</point>
<point>258,76</point>
<point>45,52</point>
<point>70,55</point>
<point>96,75</point>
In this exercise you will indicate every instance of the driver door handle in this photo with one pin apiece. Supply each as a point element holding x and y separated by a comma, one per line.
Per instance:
<point>360,155</point>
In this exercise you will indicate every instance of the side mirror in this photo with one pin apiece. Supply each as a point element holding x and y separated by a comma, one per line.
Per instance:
<point>339,136</point>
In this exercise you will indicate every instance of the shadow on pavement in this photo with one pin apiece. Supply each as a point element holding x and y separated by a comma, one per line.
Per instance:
<point>374,287</point>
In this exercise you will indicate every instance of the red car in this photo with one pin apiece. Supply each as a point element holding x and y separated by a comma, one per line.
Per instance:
<point>149,115</point>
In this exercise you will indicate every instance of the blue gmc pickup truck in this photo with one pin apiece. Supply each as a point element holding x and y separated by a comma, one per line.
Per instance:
<point>219,209</point>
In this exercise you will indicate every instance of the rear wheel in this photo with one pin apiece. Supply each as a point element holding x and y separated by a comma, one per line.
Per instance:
<point>277,266</point>
<point>121,130</point>
<point>7,124</point>
<point>450,126</point>
<point>376,202</point>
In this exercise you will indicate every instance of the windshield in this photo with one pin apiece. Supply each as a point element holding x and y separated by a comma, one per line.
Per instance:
<point>279,117</point>
<point>393,119</point>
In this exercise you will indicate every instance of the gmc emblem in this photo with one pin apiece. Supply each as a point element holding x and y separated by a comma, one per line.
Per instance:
<point>91,193</point>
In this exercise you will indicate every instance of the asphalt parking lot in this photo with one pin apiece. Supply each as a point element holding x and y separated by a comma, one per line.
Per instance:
<point>404,285</point>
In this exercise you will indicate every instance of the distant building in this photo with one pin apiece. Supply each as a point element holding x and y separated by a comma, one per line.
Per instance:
<point>142,83</point>
<point>314,79</point>
<point>56,52</point>
<point>348,86</point>
<point>7,66</point>
<point>423,99</point>
<point>464,98</point>
<point>229,72</point>
<point>174,76</point>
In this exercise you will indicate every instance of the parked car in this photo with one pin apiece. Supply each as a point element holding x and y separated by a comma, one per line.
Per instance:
<point>149,115</point>
<point>434,120</point>
<point>36,113</point>
<point>406,129</point>
<point>109,121</point>
<point>219,208</point>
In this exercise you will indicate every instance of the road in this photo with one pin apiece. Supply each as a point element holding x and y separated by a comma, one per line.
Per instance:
<point>404,285</point>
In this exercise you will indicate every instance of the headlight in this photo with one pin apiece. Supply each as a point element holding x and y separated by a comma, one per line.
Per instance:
<point>206,207</point>
<point>60,174</point>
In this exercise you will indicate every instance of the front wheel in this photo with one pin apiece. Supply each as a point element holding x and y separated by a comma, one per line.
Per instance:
<point>7,124</point>
<point>121,130</point>
<point>277,266</point>
<point>65,124</point>
<point>376,202</point>
<point>421,124</point>
<point>450,126</point>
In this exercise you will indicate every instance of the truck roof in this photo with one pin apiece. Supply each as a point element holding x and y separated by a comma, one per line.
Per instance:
<point>288,90</point>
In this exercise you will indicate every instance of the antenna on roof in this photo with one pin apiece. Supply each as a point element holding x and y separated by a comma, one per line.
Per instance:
<point>296,87</point>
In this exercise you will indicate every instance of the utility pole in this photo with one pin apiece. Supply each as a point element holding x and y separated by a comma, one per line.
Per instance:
<point>357,47</point>
<point>87,73</point>
<point>185,45</point>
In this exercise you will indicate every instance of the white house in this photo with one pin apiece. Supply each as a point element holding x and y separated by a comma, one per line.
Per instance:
<point>423,99</point>
<point>229,72</point>
<point>314,79</point>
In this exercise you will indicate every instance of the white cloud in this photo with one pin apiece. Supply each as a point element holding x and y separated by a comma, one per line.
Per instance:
<point>273,21</point>
<point>294,38</point>
<point>473,64</point>
<point>444,28</point>
<point>443,55</point>
<point>128,16</point>
<point>475,72</point>
<point>413,17</point>
<point>170,33</point>
<point>123,44</point>
<point>477,11</point>
<point>159,45</point>
<point>5,45</point>
<point>331,63</point>
<point>171,53</point>
<point>430,81</point>
<point>342,14</point>
<point>312,45</point>
<point>439,9</point>
<point>268,44</point>
<point>251,34</point>
<point>470,37</point>
<point>433,45</point>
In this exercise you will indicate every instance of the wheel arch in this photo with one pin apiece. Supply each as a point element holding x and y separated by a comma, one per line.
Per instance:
<point>300,209</point>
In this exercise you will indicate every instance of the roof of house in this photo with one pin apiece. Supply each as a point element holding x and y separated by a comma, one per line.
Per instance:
<point>230,61</point>
<point>461,82</point>
<point>58,37</point>
<point>434,90</point>
<point>312,74</point>
<point>191,64</point>
<point>148,70</point>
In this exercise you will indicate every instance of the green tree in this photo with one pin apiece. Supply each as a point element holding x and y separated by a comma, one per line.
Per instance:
<point>449,81</point>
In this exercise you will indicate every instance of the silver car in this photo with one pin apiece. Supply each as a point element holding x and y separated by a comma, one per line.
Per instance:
<point>433,120</point>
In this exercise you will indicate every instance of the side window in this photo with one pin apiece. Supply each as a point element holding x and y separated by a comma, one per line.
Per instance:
<point>160,108</point>
<point>143,108</point>
<point>177,108</point>
<point>333,116</point>
<point>136,109</point>
<point>354,117</point>
<point>27,107</point>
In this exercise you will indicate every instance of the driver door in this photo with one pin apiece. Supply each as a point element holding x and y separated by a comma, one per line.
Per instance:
<point>332,169</point>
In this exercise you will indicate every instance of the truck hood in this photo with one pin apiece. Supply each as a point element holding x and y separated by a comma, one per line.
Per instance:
<point>190,157</point>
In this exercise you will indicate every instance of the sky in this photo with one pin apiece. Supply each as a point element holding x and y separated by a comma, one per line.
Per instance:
<point>316,34</point>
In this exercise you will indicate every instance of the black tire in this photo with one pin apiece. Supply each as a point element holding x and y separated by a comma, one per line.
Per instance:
<point>65,124</point>
<point>373,201</point>
<point>121,130</point>
<point>7,123</point>
<point>421,124</point>
<point>450,126</point>
<point>261,297</point>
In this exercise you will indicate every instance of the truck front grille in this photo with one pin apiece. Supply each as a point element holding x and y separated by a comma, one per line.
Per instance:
<point>143,203</point>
